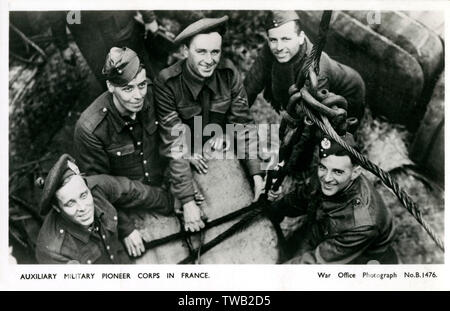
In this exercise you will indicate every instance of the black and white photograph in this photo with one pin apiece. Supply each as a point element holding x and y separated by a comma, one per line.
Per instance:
<point>276,137</point>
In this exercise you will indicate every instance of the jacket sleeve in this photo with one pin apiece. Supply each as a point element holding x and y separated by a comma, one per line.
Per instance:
<point>49,257</point>
<point>246,132</point>
<point>292,204</point>
<point>346,82</point>
<point>89,152</point>
<point>58,26</point>
<point>124,193</point>
<point>174,147</point>
<point>342,249</point>
<point>258,75</point>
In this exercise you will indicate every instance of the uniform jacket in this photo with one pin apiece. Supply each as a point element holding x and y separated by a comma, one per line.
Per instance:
<point>180,96</point>
<point>352,224</point>
<point>99,31</point>
<point>106,143</point>
<point>62,241</point>
<point>276,78</point>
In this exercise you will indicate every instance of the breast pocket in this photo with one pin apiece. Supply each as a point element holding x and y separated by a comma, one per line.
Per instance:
<point>218,109</point>
<point>121,157</point>
<point>90,254</point>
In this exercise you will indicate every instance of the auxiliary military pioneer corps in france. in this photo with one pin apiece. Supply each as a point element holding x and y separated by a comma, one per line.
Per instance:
<point>139,144</point>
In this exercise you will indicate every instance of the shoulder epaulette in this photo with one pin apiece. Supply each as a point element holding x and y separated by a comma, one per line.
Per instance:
<point>171,71</point>
<point>95,113</point>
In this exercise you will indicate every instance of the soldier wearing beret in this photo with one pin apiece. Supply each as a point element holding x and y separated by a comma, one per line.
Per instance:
<point>81,223</point>
<point>206,85</point>
<point>280,61</point>
<point>117,134</point>
<point>347,220</point>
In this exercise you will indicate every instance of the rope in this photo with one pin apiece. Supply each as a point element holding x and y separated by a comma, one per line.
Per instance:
<point>411,206</point>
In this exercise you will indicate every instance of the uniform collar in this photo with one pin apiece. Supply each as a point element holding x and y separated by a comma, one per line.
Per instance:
<point>76,230</point>
<point>195,84</point>
<point>344,195</point>
<point>119,122</point>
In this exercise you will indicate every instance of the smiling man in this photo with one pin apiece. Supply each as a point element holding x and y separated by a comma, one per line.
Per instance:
<point>348,221</point>
<point>81,223</point>
<point>281,59</point>
<point>203,85</point>
<point>117,134</point>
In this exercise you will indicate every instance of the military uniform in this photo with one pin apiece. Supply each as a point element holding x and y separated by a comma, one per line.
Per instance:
<point>62,241</point>
<point>275,78</point>
<point>99,31</point>
<point>220,99</point>
<point>108,143</point>
<point>352,225</point>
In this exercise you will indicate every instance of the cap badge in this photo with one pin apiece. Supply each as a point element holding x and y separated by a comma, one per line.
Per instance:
<point>325,143</point>
<point>73,167</point>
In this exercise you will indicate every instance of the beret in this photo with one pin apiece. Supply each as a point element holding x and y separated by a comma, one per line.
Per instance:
<point>278,18</point>
<point>121,65</point>
<point>329,147</point>
<point>62,169</point>
<point>198,27</point>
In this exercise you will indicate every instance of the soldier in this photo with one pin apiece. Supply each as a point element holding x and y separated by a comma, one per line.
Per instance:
<point>280,61</point>
<point>96,32</point>
<point>117,134</point>
<point>348,221</point>
<point>81,223</point>
<point>203,85</point>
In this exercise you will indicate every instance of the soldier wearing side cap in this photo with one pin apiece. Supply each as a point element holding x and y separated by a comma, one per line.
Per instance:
<point>206,85</point>
<point>347,220</point>
<point>81,223</point>
<point>282,58</point>
<point>117,134</point>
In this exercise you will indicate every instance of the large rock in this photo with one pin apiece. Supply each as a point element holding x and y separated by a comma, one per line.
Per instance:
<point>226,189</point>
<point>428,149</point>
<point>397,58</point>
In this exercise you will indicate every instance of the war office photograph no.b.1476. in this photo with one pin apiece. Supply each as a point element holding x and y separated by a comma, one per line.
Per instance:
<point>226,137</point>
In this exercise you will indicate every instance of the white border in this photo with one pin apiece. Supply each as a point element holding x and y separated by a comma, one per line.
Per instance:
<point>222,277</point>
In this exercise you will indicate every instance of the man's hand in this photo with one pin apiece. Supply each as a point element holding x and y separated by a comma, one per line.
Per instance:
<point>199,163</point>
<point>152,27</point>
<point>134,244</point>
<point>219,143</point>
<point>192,217</point>
<point>258,188</point>
<point>274,195</point>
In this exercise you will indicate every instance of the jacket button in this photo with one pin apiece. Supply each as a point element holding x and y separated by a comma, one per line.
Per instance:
<point>156,122</point>
<point>145,161</point>
<point>104,237</point>
<point>131,128</point>
<point>141,153</point>
<point>61,231</point>
<point>138,143</point>
<point>115,218</point>
<point>107,247</point>
<point>112,257</point>
<point>89,262</point>
<point>119,153</point>
<point>146,174</point>
<point>104,110</point>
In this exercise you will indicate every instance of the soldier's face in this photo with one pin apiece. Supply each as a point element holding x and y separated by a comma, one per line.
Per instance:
<point>285,42</point>
<point>129,99</point>
<point>76,202</point>
<point>203,53</point>
<point>336,173</point>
